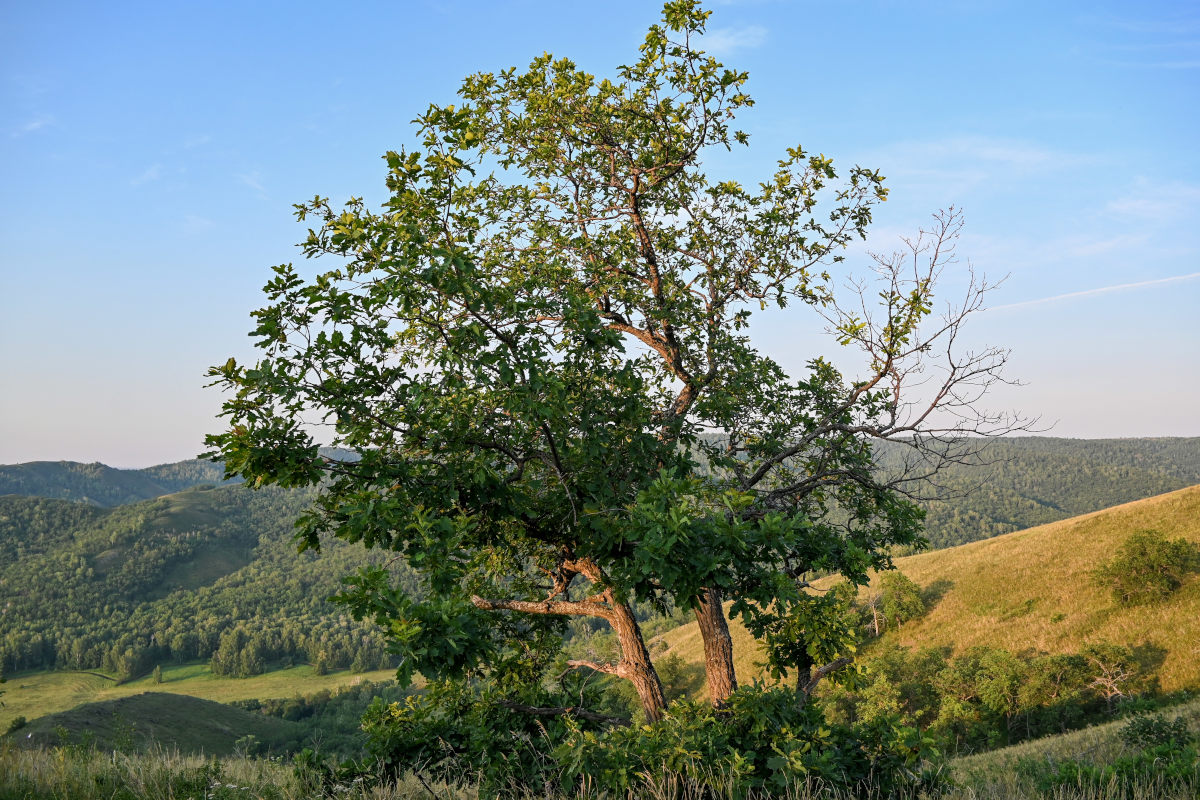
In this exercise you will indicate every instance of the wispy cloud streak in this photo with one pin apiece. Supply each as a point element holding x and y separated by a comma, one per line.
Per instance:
<point>1120,287</point>
<point>725,41</point>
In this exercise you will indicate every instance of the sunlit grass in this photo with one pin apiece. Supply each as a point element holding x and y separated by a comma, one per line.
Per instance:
<point>1033,589</point>
<point>35,694</point>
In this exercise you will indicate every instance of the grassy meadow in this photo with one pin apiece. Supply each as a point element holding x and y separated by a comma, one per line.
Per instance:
<point>32,695</point>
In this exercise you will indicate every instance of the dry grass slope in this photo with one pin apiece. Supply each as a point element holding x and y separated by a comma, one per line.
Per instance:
<point>1032,589</point>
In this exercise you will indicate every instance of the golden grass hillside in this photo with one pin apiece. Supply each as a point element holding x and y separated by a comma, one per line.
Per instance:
<point>1032,589</point>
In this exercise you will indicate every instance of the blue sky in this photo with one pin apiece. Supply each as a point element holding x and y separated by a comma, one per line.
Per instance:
<point>151,153</point>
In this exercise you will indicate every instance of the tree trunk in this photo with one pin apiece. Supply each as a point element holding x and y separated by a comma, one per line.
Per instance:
<point>635,665</point>
<point>718,648</point>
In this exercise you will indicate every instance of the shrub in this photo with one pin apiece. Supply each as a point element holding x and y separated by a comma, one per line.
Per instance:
<point>1153,730</point>
<point>1148,568</point>
<point>764,742</point>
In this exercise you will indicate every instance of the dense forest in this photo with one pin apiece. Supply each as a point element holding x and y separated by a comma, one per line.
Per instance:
<point>209,573</point>
<point>1017,483</point>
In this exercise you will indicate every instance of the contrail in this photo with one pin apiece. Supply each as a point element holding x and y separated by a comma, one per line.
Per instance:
<point>1102,290</point>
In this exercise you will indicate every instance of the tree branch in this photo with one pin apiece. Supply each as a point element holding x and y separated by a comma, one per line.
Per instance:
<point>568,608</point>
<point>610,669</point>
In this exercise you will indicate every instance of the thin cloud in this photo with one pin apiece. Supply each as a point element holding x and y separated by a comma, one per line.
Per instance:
<point>724,41</point>
<point>152,173</point>
<point>1121,287</point>
<point>1156,44</point>
<point>1157,201</point>
<point>253,180</point>
<point>33,126</point>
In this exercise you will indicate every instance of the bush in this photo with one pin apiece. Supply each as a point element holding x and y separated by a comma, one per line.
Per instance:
<point>1145,731</point>
<point>763,742</point>
<point>1148,568</point>
<point>16,724</point>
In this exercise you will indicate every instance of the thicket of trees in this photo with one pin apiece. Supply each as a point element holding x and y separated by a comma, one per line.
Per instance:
<point>204,575</point>
<point>987,697</point>
<point>1148,567</point>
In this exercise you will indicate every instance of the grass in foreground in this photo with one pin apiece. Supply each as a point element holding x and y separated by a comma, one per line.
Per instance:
<point>74,773</point>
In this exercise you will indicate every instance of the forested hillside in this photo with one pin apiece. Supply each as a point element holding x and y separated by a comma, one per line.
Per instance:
<point>102,485</point>
<point>1018,483</point>
<point>213,573</point>
<point>209,573</point>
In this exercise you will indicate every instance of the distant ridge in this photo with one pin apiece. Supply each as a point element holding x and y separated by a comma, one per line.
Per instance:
<point>104,486</point>
<point>101,485</point>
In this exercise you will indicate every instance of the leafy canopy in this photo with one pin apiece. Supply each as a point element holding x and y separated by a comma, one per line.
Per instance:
<point>539,351</point>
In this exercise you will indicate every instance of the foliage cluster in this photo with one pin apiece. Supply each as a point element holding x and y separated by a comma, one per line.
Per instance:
<point>764,741</point>
<point>987,697</point>
<point>1148,567</point>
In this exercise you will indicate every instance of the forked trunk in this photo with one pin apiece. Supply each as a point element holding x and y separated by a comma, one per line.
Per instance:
<point>718,648</point>
<point>635,665</point>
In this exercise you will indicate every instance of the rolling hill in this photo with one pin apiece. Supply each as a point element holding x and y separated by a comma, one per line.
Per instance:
<point>170,580</point>
<point>171,721</point>
<point>1021,482</point>
<point>1031,590</point>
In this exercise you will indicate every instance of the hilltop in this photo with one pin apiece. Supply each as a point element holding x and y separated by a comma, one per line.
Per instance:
<point>1031,590</point>
<point>101,485</point>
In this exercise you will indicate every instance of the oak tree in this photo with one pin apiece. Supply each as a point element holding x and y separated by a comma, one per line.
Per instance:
<point>539,352</point>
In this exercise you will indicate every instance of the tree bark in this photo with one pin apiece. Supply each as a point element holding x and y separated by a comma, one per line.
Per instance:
<point>718,648</point>
<point>814,677</point>
<point>635,665</point>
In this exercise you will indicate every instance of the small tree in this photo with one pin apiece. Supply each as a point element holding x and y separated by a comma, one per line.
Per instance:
<point>1148,568</point>
<point>902,599</point>
<point>1116,672</point>
<point>538,351</point>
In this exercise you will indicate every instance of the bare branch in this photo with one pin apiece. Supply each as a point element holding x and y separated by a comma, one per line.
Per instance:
<point>583,608</point>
